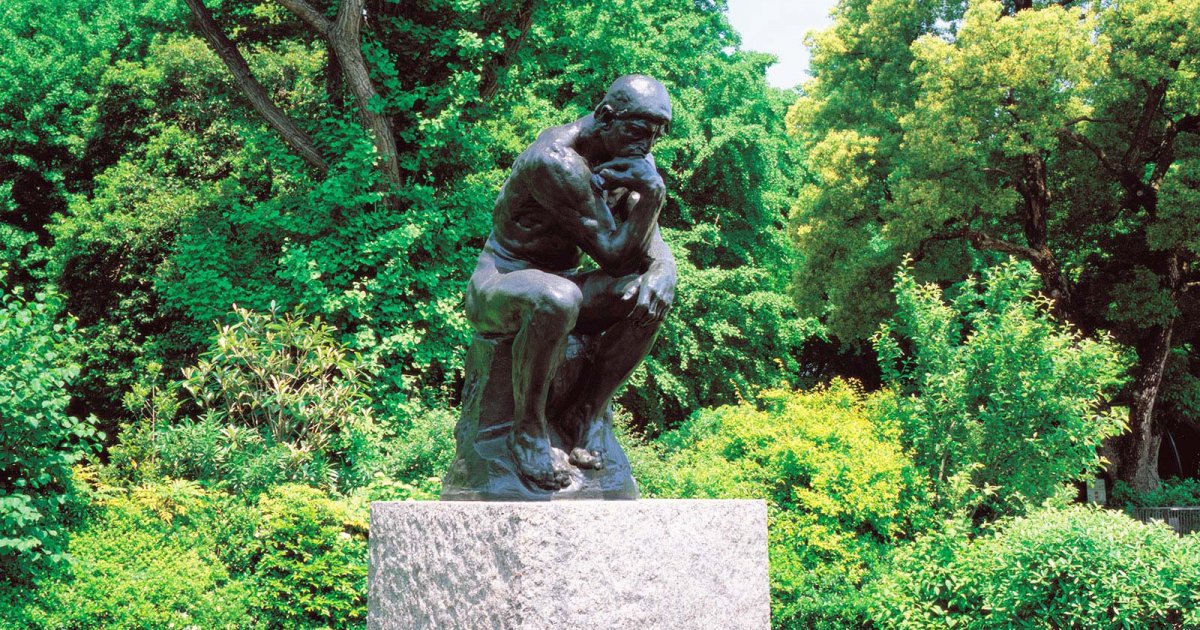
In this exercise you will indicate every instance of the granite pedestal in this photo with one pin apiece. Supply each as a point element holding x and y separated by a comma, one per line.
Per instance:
<point>650,564</point>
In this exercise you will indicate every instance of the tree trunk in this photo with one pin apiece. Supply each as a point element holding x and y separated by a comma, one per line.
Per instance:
<point>344,36</point>
<point>1137,449</point>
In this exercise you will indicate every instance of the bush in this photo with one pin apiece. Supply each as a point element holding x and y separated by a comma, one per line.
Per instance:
<point>1056,568</point>
<point>279,400</point>
<point>1173,492</point>
<point>835,480</point>
<point>151,558</point>
<point>994,388</point>
<point>311,561</point>
<point>38,440</point>
<point>425,448</point>
<point>240,459</point>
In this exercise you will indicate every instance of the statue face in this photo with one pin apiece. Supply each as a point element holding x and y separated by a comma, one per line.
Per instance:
<point>631,136</point>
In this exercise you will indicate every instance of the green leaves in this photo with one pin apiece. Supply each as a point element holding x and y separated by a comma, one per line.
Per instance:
<point>994,389</point>
<point>1056,568</point>
<point>39,442</point>
<point>836,480</point>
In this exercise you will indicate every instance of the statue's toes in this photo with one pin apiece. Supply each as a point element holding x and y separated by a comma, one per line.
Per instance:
<point>547,479</point>
<point>562,478</point>
<point>584,458</point>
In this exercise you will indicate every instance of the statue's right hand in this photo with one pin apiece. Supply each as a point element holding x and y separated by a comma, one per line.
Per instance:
<point>636,173</point>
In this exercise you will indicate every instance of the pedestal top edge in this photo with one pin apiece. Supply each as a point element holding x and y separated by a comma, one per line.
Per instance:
<point>631,505</point>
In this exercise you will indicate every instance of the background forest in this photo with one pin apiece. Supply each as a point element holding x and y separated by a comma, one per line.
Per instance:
<point>920,298</point>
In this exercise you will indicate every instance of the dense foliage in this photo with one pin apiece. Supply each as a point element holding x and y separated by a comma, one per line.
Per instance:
<point>995,390</point>
<point>1058,568</point>
<point>1062,133</point>
<point>172,553</point>
<point>39,441</point>
<point>838,486</point>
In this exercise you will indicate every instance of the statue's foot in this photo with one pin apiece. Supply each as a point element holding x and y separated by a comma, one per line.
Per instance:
<point>536,462</point>
<point>589,449</point>
<point>584,458</point>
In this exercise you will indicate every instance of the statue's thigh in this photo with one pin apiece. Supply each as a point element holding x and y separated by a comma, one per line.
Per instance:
<point>498,302</point>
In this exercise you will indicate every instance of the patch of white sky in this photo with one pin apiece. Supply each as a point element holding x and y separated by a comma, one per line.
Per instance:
<point>778,27</point>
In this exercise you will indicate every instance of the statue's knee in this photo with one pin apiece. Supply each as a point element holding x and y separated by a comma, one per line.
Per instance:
<point>559,303</point>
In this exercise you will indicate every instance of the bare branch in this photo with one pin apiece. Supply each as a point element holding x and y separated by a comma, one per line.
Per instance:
<point>295,138</point>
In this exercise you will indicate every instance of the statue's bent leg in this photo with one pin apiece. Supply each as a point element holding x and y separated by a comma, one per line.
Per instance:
<point>621,347</point>
<point>541,309</point>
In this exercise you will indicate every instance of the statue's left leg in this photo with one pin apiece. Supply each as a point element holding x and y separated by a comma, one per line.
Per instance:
<point>621,345</point>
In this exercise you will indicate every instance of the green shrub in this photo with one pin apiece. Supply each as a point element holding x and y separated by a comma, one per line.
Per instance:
<point>994,388</point>
<point>279,400</point>
<point>1056,568</point>
<point>425,448</point>
<point>1173,492</point>
<point>239,458</point>
<point>311,561</point>
<point>38,440</point>
<point>152,558</point>
<point>835,480</point>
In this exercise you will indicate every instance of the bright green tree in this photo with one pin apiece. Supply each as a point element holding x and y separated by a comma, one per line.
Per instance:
<point>1062,133</point>
<point>994,392</point>
<point>257,175</point>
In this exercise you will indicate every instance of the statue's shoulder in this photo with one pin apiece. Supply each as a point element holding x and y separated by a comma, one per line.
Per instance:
<point>553,156</point>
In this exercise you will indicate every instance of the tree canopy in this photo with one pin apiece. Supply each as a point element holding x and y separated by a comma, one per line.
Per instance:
<point>1062,133</point>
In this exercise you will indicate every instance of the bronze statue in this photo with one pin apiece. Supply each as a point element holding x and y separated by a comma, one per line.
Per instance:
<point>590,186</point>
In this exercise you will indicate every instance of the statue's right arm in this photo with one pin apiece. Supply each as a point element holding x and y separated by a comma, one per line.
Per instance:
<point>562,185</point>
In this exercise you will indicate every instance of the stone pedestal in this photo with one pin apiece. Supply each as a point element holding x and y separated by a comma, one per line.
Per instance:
<point>657,564</point>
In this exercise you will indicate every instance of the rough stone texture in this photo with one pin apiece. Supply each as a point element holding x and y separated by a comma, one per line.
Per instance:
<point>656,564</point>
<point>483,469</point>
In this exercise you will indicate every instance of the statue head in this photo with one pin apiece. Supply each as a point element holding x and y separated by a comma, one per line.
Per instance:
<point>635,112</point>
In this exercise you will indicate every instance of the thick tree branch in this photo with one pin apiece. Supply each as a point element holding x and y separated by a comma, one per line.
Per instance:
<point>1154,98</point>
<point>295,138</point>
<point>1096,150</point>
<point>1189,123</point>
<point>1164,155</point>
<point>1075,121</point>
<point>343,35</point>
<point>493,71</point>
<point>981,240</point>
<point>309,15</point>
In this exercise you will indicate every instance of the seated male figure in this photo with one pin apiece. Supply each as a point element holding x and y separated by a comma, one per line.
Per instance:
<point>563,198</point>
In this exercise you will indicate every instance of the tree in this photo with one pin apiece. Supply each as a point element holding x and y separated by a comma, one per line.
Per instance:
<point>995,392</point>
<point>1062,133</point>
<point>457,114</point>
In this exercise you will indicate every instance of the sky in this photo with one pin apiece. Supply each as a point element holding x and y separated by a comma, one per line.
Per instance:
<point>778,27</point>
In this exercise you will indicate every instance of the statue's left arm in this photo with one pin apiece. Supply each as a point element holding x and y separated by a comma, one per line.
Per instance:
<point>655,287</point>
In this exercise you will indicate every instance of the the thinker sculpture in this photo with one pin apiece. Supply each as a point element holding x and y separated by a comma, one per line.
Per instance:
<point>554,342</point>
